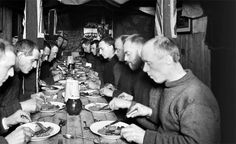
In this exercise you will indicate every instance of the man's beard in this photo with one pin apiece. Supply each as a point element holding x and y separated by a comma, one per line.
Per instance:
<point>136,64</point>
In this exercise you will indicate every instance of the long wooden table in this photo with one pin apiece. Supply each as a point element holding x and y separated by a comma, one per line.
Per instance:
<point>76,125</point>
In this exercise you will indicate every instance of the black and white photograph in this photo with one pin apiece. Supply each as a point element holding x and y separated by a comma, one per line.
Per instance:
<point>117,71</point>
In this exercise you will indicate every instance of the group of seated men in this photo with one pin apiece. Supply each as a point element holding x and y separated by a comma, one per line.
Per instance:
<point>16,62</point>
<point>167,103</point>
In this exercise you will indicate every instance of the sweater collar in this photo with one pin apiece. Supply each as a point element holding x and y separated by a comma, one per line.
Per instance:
<point>188,76</point>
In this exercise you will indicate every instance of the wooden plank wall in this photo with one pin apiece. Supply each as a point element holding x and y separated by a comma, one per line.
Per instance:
<point>195,55</point>
<point>7,24</point>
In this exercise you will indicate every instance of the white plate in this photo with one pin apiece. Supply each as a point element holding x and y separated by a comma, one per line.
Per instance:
<point>100,104</point>
<point>88,91</point>
<point>61,106</point>
<point>32,125</point>
<point>62,81</point>
<point>93,96</point>
<point>58,86</point>
<point>99,125</point>
<point>48,89</point>
<point>79,72</point>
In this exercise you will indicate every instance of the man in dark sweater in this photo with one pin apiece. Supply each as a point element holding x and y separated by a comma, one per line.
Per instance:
<point>186,111</point>
<point>61,43</point>
<point>20,135</point>
<point>45,72</point>
<point>121,72</point>
<point>87,50</point>
<point>141,83</point>
<point>96,61</point>
<point>107,50</point>
<point>12,92</point>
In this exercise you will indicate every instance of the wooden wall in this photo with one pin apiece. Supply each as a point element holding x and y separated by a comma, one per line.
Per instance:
<point>195,55</point>
<point>134,23</point>
<point>6,21</point>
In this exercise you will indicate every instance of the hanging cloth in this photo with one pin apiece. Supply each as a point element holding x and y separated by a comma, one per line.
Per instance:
<point>165,18</point>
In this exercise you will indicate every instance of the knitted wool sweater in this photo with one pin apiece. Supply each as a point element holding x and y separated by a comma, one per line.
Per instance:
<point>187,113</point>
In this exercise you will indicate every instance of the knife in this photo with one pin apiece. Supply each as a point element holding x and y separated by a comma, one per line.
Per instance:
<point>104,107</point>
<point>112,123</point>
<point>129,113</point>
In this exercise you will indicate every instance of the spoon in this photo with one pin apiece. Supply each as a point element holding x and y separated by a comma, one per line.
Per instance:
<point>85,125</point>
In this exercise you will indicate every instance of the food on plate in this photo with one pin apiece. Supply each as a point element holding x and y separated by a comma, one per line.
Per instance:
<point>48,106</point>
<point>53,88</point>
<point>98,107</point>
<point>89,93</point>
<point>83,87</point>
<point>110,130</point>
<point>41,130</point>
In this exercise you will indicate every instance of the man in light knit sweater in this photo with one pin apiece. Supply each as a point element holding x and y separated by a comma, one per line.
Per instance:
<point>186,112</point>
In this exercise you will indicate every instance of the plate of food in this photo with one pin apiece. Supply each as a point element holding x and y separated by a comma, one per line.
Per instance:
<point>103,129</point>
<point>52,106</point>
<point>43,130</point>
<point>98,107</point>
<point>90,93</point>
<point>58,86</point>
<point>51,90</point>
<point>62,82</point>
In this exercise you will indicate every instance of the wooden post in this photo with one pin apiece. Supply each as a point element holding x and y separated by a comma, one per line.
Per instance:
<point>31,80</point>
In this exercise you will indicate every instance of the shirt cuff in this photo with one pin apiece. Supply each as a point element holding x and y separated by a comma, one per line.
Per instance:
<point>4,124</point>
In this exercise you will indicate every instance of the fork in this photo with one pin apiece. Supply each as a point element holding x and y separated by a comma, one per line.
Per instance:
<point>112,123</point>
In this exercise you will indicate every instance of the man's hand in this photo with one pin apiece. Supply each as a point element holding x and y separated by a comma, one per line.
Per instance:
<point>20,135</point>
<point>31,105</point>
<point>58,77</point>
<point>42,83</point>
<point>117,103</point>
<point>125,96</point>
<point>55,72</point>
<point>109,86</point>
<point>38,96</point>
<point>106,91</point>
<point>92,85</point>
<point>133,133</point>
<point>139,110</point>
<point>18,117</point>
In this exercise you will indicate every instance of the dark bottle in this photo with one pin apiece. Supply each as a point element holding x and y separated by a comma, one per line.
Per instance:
<point>73,106</point>
<point>71,66</point>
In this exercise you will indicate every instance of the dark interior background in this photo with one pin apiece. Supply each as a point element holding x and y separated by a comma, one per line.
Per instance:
<point>220,38</point>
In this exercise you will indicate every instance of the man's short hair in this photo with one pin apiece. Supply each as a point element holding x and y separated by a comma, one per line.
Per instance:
<point>62,37</point>
<point>168,45</point>
<point>26,46</point>
<point>85,41</point>
<point>109,40</point>
<point>46,44</point>
<point>135,38</point>
<point>52,43</point>
<point>94,42</point>
<point>122,38</point>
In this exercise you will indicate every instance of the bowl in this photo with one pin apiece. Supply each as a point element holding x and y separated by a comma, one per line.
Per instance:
<point>50,91</point>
